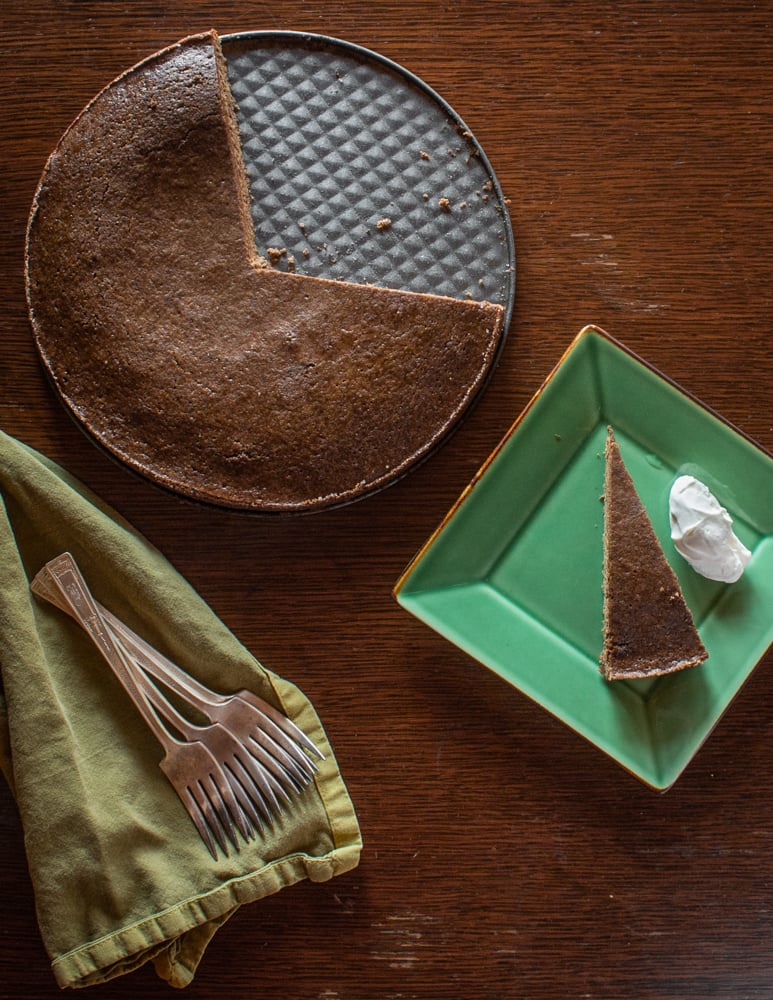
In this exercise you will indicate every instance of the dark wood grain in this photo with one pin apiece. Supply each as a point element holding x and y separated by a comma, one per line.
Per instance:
<point>504,857</point>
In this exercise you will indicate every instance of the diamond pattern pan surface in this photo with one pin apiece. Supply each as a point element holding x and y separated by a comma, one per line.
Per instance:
<point>360,172</point>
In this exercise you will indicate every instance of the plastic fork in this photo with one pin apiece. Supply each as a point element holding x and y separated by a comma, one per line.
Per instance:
<point>272,748</point>
<point>271,736</point>
<point>254,787</point>
<point>263,755</point>
<point>190,766</point>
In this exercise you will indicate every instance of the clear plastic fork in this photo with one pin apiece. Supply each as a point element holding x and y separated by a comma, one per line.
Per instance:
<point>283,750</point>
<point>262,754</point>
<point>190,766</point>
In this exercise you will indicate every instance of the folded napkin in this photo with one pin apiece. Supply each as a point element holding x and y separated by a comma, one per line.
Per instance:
<point>120,874</point>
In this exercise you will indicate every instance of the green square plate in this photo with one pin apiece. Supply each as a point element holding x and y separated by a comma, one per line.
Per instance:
<point>513,574</point>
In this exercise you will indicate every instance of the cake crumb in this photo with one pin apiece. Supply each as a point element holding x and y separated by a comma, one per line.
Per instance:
<point>384,224</point>
<point>444,204</point>
<point>425,196</point>
<point>291,263</point>
<point>424,154</point>
<point>275,254</point>
<point>557,437</point>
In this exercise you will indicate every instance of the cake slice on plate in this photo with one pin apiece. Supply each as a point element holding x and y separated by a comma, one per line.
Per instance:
<point>648,628</point>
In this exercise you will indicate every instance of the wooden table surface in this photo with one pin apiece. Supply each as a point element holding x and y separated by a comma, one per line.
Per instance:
<point>504,856</point>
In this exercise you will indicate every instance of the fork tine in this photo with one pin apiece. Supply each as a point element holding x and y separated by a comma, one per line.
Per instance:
<point>294,759</point>
<point>282,722</point>
<point>253,806</point>
<point>268,787</point>
<point>282,778</point>
<point>209,814</point>
<point>254,783</point>
<point>232,806</point>
<point>282,745</point>
<point>196,814</point>
<point>283,766</point>
<point>219,792</point>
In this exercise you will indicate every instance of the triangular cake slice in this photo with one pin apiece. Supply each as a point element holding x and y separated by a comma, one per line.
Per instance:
<point>648,628</point>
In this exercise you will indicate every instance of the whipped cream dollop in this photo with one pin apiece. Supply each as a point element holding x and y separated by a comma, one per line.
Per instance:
<point>702,531</point>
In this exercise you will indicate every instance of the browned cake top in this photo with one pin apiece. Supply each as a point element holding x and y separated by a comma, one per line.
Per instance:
<point>648,628</point>
<point>190,359</point>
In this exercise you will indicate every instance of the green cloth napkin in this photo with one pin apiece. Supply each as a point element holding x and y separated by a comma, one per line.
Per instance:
<point>119,872</point>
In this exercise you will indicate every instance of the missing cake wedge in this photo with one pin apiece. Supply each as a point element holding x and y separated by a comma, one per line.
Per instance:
<point>648,628</point>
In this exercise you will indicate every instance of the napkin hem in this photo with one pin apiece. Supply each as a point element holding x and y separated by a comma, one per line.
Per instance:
<point>131,946</point>
<point>331,787</point>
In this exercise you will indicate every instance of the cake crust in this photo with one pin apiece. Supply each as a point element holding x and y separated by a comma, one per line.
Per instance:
<point>648,628</point>
<point>189,358</point>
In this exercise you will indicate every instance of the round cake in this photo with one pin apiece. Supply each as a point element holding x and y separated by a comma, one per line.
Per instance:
<point>185,354</point>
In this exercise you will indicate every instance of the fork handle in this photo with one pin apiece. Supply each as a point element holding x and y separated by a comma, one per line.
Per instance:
<point>69,581</point>
<point>158,666</point>
<point>45,586</point>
